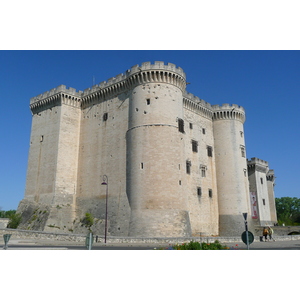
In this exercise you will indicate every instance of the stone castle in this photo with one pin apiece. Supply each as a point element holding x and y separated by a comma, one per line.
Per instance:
<point>175,165</point>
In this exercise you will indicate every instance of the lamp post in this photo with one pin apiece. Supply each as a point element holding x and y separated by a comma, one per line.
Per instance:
<point>105,182</point>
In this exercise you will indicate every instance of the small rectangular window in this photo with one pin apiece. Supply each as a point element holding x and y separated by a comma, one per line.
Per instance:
<point>194,146</point>
<point>264,201</point>
<point>203,130</point>
<point>181,125</point>
<point>148,101</point>
<point>188,166</point>
<point>105,116</point>
<point>199,191</point>
<point>191,125</point>
<point>210,193</point>
<point>203,170</point>
<point>209,151</point>
<point>261,181</point>
<point>41,138</point>
<point>243,151</point>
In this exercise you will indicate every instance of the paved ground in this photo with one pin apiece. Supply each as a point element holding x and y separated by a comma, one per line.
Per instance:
<point>31,244</point>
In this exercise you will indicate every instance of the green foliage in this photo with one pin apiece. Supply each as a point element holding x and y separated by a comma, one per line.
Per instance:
<point>6,214</point>
<point>288,210</point>
<point>193,245</point>
<point>14,221</point>
<point>88,220</point>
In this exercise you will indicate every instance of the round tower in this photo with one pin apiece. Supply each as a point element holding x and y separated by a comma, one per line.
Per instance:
<point>231,169</point>
<point>154,152</point>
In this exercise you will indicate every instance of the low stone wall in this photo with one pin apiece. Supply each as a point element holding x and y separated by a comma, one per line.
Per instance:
<point>41,235</point>
<point>3,223</point>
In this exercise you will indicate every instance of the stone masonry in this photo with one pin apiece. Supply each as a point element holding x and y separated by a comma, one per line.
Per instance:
<point>176,165</point>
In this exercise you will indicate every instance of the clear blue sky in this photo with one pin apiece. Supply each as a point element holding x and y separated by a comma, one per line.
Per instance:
<point>265,83</point>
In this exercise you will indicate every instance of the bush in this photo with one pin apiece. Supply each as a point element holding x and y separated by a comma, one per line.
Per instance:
<point>88,220</point>
<point>193,245</point>
<point>14,221</point>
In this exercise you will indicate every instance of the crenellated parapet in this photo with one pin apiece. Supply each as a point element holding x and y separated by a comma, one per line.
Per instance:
<point>54,97</point>
<point>271,176</point>
<point>258,165</point>
<point>137,75</point>
<point>228,112</point>
<point>197,105</point>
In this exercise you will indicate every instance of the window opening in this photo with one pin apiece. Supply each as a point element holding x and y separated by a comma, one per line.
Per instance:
<point>194,146</point>
<point>181,125</point>
<point>203,170</point>
<point>199,192</point>
<point>188,166</point>
<point>209,151</point>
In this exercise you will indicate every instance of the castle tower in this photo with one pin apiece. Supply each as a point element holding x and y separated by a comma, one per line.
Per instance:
<point>231,169</point>
<point>53,156</point>
<point>155,152</point>
<point>271,195</point>
<point>261,181</point>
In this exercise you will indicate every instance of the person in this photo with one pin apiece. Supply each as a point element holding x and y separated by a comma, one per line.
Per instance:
<point>265,233</point>
<point>270,233</point>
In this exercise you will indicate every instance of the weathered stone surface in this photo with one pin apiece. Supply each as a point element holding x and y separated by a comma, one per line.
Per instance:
<point>174,163</point>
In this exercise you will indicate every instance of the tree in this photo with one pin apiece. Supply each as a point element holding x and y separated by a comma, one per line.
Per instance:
<point>6,214</point>
<point>288,210</point>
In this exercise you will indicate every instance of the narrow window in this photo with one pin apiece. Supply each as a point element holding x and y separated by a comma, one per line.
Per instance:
<point>181,125</point>
<point>188,166</point>
<point>210,193</point>
<point>245,172</point>
<point>199,192</point>
<point>209,151</point>
<point>179,182</point>
<point>194,146</point>
<point>241,132</point>
<point>203,170</point>
<point>261,181</point>
<point>264,201</point>
<point>203,130</point>
<point>142,165</point>
<point>191,125</point>
<point>243,151</point>
<point>148,101</point>
<point>41,138</point>
<point>105,116</point>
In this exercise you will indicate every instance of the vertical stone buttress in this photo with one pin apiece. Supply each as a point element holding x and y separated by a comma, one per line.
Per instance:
<point>53,155</point>
<point>154,151</point>
<point>272,203</point>
<point>231,166</point>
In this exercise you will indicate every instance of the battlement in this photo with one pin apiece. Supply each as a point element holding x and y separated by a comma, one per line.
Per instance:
<point>227,111</point>
<point>258,164</point>
<point>52,97</point>
<point>61,88</point>
<point>158,65</point>
<point>255,160</point>
<point>197,105</point>
<point>121,78</point>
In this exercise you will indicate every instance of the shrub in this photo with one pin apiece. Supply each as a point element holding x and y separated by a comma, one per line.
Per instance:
<point>193,245</point>
<point>14,221</point>
<point>88,220</point>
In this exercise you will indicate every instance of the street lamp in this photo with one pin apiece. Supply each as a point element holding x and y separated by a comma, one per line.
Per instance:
<point>105,182</point>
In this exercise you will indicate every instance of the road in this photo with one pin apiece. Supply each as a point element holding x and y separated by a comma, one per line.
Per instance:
<point>56,245</point>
